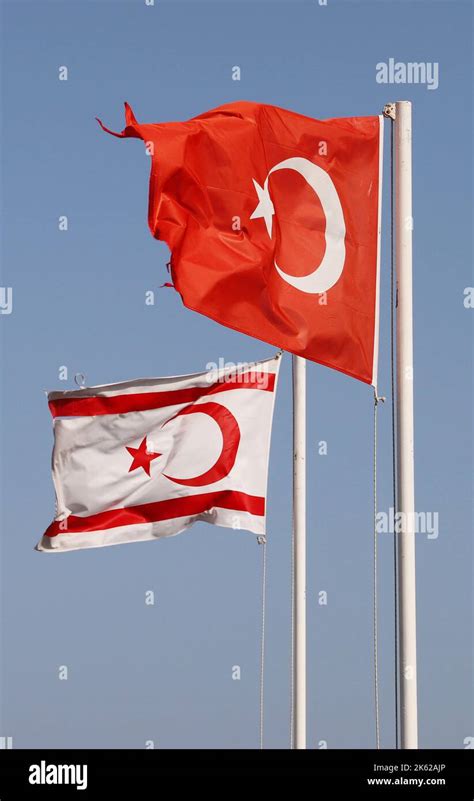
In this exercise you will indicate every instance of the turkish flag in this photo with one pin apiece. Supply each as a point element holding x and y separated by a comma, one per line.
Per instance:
<point>273,222</point>
<point>144,459</point>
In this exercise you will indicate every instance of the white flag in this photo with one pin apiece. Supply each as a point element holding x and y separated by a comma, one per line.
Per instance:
<point>147,458</point>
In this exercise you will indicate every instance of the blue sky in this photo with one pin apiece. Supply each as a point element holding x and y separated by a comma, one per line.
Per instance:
<point>164,672</point>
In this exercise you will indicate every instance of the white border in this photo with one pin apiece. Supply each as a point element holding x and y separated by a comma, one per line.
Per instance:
<point>375,362</point>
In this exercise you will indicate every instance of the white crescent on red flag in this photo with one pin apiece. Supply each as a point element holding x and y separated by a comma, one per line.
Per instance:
<point>144,459</point>
<point>273,222</point>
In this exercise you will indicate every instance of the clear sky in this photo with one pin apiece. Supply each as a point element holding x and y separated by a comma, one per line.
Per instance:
<point>164,673</point>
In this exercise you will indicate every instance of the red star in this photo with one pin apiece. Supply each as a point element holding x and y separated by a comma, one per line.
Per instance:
<point>141,457</point>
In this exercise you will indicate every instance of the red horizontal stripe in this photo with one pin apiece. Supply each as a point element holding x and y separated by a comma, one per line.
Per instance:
<point>144,401</point>
<point>160,510</point>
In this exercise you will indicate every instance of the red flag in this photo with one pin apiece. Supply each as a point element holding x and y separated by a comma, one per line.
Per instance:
<point>273,221</point>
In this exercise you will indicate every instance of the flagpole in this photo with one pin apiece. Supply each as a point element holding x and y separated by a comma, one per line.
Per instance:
<point>405,438</point>
<point>299,552</point>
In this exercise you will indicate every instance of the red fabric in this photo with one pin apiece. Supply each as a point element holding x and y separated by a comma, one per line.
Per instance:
<point>141,401</point>
<point>202,179</point>
<point>160,510</point>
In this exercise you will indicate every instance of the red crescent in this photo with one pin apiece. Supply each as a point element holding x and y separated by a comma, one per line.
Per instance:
<point>230,443</point>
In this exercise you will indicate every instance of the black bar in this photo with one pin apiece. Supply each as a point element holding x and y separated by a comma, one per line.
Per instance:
<point>423,773</point>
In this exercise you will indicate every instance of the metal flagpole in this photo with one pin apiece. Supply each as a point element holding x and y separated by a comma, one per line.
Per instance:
<point>406,490</point>
<point>299,551</point>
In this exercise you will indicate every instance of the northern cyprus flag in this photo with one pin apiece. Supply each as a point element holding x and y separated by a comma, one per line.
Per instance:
<point>145,459</point>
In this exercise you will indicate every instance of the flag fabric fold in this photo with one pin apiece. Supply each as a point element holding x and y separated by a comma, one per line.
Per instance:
<point>273,222</point>
<point>143,459</point>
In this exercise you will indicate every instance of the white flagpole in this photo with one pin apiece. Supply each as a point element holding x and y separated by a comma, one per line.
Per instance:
<point>299,552</point>
<point>406,490</point>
